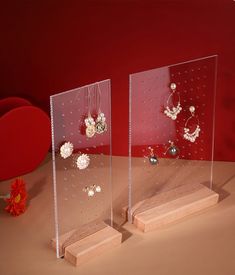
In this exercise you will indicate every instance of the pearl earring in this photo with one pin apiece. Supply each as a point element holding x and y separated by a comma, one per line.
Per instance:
<point>91,190</point>
<point>172,150</point>
<point>195,134</point>
<point>172,113</point>
<point>152,157</point>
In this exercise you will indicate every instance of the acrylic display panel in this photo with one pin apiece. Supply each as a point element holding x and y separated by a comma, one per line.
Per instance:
<point>73,207</point>
<point>149,126</point>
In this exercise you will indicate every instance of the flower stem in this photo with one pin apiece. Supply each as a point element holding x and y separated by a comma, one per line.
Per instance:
<point>7,196</point>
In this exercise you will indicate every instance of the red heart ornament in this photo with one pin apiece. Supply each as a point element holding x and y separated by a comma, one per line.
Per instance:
<point>24,140</point>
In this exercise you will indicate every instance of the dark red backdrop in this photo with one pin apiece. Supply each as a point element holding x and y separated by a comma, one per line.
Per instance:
<point>52,46</point>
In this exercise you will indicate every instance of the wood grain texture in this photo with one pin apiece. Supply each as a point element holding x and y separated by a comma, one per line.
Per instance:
<point>93,245</point>
<point>170,206</point>
<point>77,234</point>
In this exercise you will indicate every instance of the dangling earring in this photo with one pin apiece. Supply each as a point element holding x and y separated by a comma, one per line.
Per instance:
<point>101,125</point>
<point>191,136</point>
<point>89,121</point>
<point>172,150</point>
<point>172,113</point>
<point>152,157</point>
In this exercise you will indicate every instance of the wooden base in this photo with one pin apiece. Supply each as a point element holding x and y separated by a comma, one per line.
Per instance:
<point>78,246</point>
<point>93,245</point>
<point>170,206</point>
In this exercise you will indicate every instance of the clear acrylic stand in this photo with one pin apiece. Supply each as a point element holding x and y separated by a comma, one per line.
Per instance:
<point>76,207</point>
<point>176,161</point>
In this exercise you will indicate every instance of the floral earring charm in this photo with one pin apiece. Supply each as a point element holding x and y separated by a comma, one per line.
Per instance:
<point>90,126</point>
<point>195,134</point>
<point>152,157</point>
<point>101,125</point>
<point>172,113</point>
<point>66,150</point>
<point>83,161</point>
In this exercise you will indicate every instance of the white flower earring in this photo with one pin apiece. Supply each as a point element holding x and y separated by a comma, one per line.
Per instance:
<point>91,190</point>
<point>66,150</point>
<point>89,121</point>
<point>100,125</point>
<point>195,134</point>
<point>175,110</point>
<point>83,161</point>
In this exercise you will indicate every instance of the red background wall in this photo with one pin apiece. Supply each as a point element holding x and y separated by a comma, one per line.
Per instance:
<point>52,46</point>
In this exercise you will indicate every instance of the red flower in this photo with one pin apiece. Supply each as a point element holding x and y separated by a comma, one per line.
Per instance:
<point>18,198</point>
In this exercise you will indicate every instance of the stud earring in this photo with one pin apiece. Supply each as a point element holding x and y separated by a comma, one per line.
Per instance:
<point>172,150</point>
<point>91,190</point>
<point>83,161</point>
<point>152,157</point>
<point>66,150</point>
<point>89,121</point>
<point>195,134</point>
<point>172,113</point>
<point>100,125</point>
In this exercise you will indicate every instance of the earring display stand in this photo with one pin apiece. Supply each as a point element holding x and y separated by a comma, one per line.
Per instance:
<point>176,178</point>
<point>82,173</point>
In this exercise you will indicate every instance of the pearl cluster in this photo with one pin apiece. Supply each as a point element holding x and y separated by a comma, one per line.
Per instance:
<point>66,150</point>
<point>83,161</point>
<point>90,126</point>
<point>174,112</point>
<point>191,136</point>
<point>91,190</point>
<point>89,121</point>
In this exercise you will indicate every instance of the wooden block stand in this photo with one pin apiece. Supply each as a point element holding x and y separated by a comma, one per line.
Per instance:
<point>78,246</point>
<point>169,206</point>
